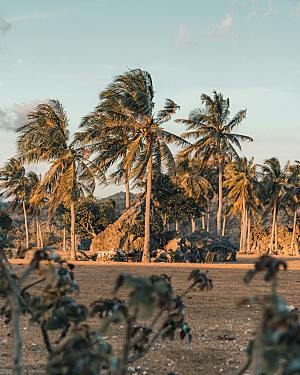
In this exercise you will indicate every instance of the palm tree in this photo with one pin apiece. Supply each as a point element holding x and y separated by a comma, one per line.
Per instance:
<point>215,142</point>
<point>192,181</point>
<point>241,181</point>
<point>127,107</point>
<point>18,185</point>
<point>274,183</point>
<point>292,196</point>
<point>36,209</point>
<point>45,137</point>
<point>108,147</point>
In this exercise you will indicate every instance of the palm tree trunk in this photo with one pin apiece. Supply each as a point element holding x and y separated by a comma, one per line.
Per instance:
<point>146,252</point>
<point>243,224</point>
<point>248,235</point>
<point>165,222</point>
<point>208,217</point>
<point>203,220</point>
<point>73,239</point>
<point>41,236</point>
<point>242,233</point>
<point>273,228</point>
<point>64,240</point>
<point>224,225</point>
<point>245,228</point>
<point>26,225</point>
<point>220,198</point>
<point>127,189</point>
<point>294,231</point>
<point>37,233</point>
<point>193,223</point>
<point>275,235</point>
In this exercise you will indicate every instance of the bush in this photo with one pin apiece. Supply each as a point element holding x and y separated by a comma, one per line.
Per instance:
<point>276,346</point>
<point>152,311</point>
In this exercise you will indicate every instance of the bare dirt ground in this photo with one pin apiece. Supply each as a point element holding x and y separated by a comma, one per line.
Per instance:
<point>219,327</point>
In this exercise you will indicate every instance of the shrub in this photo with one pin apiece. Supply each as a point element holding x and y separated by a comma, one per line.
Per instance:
<point>151,312</point>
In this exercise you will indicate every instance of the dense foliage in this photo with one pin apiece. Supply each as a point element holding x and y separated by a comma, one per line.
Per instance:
<point>91,216</point>
<point>5,221</point>
<point>276,346</point>
<point>152,311</point>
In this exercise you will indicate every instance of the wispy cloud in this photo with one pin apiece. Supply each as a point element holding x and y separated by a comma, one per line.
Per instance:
<point>226,23</point>
<point>11,118</point>
<point>270,11</point>
<point>296,9</point>
<point>31,16</point>
<point>223,28</point>
<point>4,25</point>
<point>251,16</point>
<point>182,36</point>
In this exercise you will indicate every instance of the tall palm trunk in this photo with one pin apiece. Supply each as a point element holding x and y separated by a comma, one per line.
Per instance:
<point>294,231</point>
<point>224,226</point>
<point>275,236</point>
<point>38,245</point>
<point>248,235</point>
<point>41,235</point>
<point>273,230</point>
<point>242,233</point>
<point>165,222</point>
<point>193,223</point>
<point>220,197</point>
<point>208,217</point>
<point>127,189</point>
<point>203,220</point>
<point>146,252</point>
<point>73,239</point>
<point>26,225</point>
<point>243,229</point>
<point>64,240</point>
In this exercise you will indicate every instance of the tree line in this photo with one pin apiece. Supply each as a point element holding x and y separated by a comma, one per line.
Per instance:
<point>123,141</point>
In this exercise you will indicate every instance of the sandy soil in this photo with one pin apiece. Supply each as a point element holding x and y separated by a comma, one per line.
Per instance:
<point>220,328</point>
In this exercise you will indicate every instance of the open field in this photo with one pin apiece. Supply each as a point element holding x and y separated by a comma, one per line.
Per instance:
<point>220,328</point>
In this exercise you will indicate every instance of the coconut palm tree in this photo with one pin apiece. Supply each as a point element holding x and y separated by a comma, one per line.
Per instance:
<point>191,179</point>
<point>292,197</point>
<point>215,142</point>
<point>126,106</point>
<point>45,137</point>
<point>241,182</point>
<point>107,147</point>
<point>15,183</point>
<point>274,184</point>
<point>36,209</point>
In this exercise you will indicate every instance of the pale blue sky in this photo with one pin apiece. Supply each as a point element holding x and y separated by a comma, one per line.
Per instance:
<point>71,49</point>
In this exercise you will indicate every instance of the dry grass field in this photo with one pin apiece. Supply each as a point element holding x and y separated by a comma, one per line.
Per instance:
<point>220,328</point>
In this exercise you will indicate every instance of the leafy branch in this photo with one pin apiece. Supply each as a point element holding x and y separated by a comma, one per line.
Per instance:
<point>151,311</point>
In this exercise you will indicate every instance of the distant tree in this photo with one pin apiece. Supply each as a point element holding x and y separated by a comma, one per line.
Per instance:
<point>92,216</point>
<point>45,137</point>
<point>5,221</point>
<point>241,182</point>
<point>292,197</point>
<point>274,184</point>
<point>170,204</point>
<point>107,148</point>
<point>5,227</point>
<point>212,128</point>
<point>17,185</point>
<point>191,179</point>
